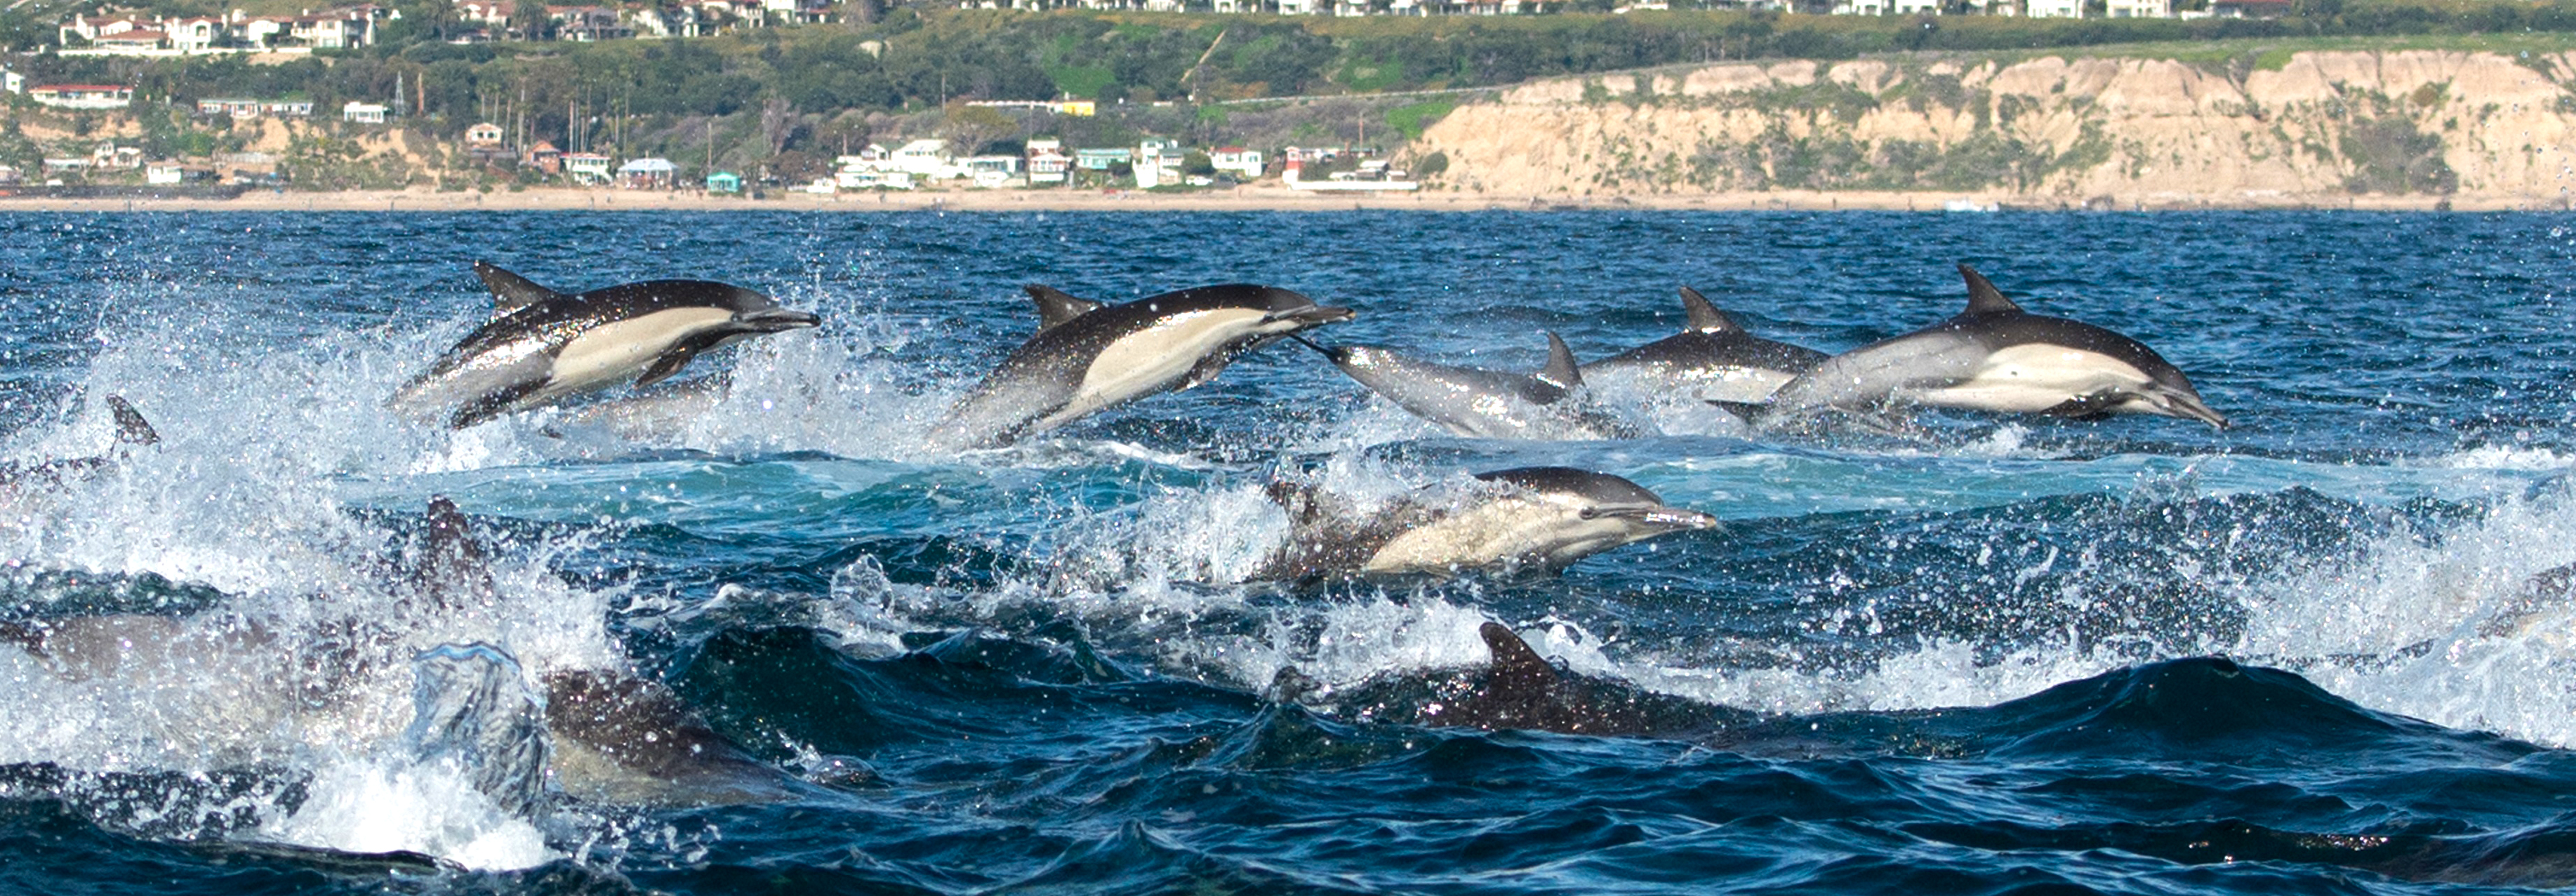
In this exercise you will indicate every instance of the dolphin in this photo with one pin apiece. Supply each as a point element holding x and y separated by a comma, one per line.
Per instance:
<point>1993,357</point>
<point>1543,518</point>
<point>1087,357</point>
<point>543,346</point>
<point>1714,355</point>
<point>1520,690</point>
<point>132,431</point>
<point>604,735</point>
<point>1485,404</point>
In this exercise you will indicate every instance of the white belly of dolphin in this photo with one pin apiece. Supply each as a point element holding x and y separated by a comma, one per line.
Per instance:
<point>603,355</point>
<point>1157,357</point>
<point>2028,379</point>
<point>1510,530</point>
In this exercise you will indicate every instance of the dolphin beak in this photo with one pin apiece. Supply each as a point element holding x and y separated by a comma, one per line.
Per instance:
<point>775,320</point>
<point>2188,405</point>
<point>1311,315</point>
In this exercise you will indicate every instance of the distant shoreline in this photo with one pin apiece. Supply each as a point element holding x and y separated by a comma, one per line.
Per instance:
<point>1253,198</point>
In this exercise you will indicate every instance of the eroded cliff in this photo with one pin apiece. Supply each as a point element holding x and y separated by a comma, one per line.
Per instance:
<point>2311,129</point>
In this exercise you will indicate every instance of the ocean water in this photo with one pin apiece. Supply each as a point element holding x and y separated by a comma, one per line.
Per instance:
<point>1985,656</point>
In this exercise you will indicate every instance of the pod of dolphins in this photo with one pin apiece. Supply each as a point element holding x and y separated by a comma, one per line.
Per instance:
<point>605,734</point>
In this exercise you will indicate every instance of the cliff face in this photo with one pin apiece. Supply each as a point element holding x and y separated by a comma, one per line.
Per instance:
<point>2049,131</point>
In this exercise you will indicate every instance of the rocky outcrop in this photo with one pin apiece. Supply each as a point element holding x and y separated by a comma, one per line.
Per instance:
<point>2313,128</point>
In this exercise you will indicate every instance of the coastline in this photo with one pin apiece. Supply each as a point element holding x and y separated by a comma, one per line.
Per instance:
<point>1251,198</point>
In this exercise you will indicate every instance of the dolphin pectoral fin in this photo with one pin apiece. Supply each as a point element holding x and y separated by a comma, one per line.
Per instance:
<point>1748,412</point>
<point>671,361</point>
<point>493,405</point>
<point>1055,306</point>
<point>131,428</point>
<point>511,292</point>
<point>1561,371</point>
<point>2096,406</point>
<point>1983,297</point>
<point>1705,316</point>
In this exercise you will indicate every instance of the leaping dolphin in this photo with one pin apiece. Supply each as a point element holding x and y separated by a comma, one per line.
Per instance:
<point>1088,357</point>
<point>543,346</point>
<point>1713,356</point>
<point>1994,357</point>
<point>1542,518</point>
<point>132,431</point>
<point>1488,404</point>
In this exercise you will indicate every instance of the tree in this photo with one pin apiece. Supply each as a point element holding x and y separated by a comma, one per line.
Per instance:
<point>971,128</point>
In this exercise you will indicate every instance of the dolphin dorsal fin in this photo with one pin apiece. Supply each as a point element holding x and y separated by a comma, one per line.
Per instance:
<point>1704,316</point>
<point>1561,370</point>
<point>131,428</point>
<point>1513,658</point>
<point>511,292</point>
<point>1055,306</point>
<point>1983,297</point>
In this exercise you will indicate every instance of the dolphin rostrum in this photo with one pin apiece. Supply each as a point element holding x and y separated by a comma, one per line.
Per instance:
<point>1485,404</point>
<point>1543,518</point>
<point>1715,356</point>
<point>1995,357</point>
<point>1087,357</point>
<point>543,346</point>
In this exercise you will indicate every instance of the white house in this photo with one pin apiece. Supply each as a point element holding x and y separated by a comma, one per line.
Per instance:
<point>2139,9</point>
<point>586,167</point>
<point>363,113</point>
<point>928,159</point>
<point>194,35</point>
<point>82,96</point>
<point>2053,9</point>
<point>1245,164</point>
<point>12,81</point>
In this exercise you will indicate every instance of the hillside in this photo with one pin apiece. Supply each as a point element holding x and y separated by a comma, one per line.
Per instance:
<point>2304,128</point>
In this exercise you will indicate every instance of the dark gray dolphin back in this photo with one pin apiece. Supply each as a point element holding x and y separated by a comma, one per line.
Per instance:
<point>1600,488</point>
<point>1713,339</point>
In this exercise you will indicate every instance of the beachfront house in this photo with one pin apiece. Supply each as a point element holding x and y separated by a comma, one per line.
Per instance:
<point>586,168</point>
<point>2139,9</point>
<point>172,172</point>
<point>648,174</point>
<point>1047,162</point>
<point>1244,164</point>
<point>1102,159</point>
<point>724,182</point>
<point>1158,163</point>
<point>544,157</point>
<point>927,159</point>
<point>2053,9</point>
<point>363,113</point>
<point>12,81</point>
<point>484,135</point>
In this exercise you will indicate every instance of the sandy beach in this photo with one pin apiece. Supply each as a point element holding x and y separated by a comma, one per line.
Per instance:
<point>1247,198</point>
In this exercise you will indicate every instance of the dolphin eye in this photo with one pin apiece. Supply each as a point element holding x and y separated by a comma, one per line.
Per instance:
<point>1588,513</point>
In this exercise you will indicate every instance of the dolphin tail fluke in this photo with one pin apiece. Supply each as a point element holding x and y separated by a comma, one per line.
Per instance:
<point>131,428</point>
<point>511,292</point>
<point>1705,316</point>
<point>1983,297</point>
<point>1561,371</point>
